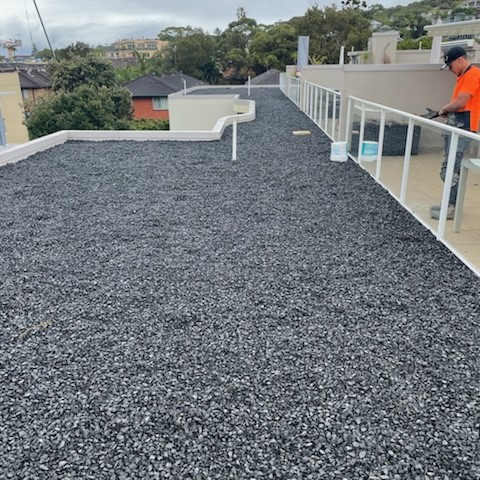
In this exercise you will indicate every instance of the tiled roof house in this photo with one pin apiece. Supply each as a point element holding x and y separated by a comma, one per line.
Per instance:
<point>270,77</point>
<point>34,82</point>
<point>150,93</point>
<point>34,79</point>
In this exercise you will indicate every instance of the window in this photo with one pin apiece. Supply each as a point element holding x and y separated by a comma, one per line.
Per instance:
<point>160,103</point>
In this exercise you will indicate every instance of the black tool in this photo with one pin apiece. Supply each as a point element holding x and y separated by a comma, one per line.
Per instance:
<point>430,114</point>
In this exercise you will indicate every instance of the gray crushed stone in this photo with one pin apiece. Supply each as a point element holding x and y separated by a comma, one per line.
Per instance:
<point>166,313</point>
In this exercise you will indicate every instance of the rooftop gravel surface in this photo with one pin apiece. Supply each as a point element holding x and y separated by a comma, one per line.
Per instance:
<point>168,313</point>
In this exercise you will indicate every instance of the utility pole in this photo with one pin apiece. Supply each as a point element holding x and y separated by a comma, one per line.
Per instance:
<point>44,30</point>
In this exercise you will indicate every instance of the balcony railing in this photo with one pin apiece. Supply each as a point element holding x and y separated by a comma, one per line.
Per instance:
<point>321,104</point>
<point>407,155</point>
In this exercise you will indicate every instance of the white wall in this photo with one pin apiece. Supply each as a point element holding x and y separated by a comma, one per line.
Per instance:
<point>407,87</point>
<point>412,56</point>
<point>199,112</point>
<point>11,108</point>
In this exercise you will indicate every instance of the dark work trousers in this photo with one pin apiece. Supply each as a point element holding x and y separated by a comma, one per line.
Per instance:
<point>463,144</point>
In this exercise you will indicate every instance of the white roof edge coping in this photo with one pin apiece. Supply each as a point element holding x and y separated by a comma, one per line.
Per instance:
<point>13,154</point>
<point>220,96</point>
<point>392,67</point>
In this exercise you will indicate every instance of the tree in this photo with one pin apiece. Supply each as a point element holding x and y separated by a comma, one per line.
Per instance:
<point>233,46</point>
<point>173,33</point>
<point>79,49</point>
<point>45,54</point>
<point>85,96</point>
<point>415,44</point>
<point>210,72</point>
<point>67,75</point>
<point>273,48</point>
<point>330,29</point>
<point>354,4</point>
<point>191,52</point>
<point>411,19</point>
<point>85,108</point>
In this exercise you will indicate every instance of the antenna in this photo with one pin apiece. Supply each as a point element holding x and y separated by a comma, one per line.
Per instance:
<point>45,31</point>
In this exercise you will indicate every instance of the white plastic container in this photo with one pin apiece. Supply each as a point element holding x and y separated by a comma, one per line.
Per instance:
<point>369,151</point>
<point>338,152</point>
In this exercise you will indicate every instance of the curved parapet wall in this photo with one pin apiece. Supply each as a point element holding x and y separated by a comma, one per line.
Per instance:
<point>244,111</point>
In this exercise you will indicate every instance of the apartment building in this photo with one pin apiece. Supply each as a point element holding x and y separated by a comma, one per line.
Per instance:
<point>129,48</point>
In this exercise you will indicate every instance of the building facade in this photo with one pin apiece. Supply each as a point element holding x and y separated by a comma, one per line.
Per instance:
<point>131,48</point>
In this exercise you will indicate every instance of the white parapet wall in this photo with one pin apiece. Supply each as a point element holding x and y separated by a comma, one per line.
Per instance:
<point>199,112</point>
<point>239,111</point>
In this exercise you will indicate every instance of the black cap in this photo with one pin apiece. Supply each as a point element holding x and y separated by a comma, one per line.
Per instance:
<point>453,54</point>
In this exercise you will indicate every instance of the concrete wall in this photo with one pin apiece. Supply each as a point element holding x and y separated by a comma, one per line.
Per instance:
<point>199,112</point>
<point>410,88</point>
<point>384,47</point>
<point>407,87</point>
<point>412,56</point>
<point>11,106</point>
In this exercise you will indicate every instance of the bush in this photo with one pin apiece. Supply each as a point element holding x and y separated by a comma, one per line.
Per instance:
<point>149,124</point>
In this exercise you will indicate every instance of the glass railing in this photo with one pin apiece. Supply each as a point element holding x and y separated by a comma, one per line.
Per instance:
<point>401,151</point>
<point>321,104</point>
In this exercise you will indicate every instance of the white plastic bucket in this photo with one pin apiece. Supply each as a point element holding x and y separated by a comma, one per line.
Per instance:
<point>338,152</point>
<point>369,151</point>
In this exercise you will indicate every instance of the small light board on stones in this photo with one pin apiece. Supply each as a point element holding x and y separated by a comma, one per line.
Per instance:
<point>301,133</point>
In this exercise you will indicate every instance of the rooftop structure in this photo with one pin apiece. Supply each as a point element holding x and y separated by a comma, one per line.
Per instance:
<point>168,312</point>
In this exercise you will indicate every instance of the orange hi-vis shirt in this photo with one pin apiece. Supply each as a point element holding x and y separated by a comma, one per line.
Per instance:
<point>469,82</point>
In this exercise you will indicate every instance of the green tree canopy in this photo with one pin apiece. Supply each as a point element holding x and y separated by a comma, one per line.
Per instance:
<point>78,49</point>
<point>85,96</point>
<point>273,47</point>
<point>85,108</point>
<point>67,75</point>
<point>330,29</point>
<point>192,53</point>
<point>234,44</point>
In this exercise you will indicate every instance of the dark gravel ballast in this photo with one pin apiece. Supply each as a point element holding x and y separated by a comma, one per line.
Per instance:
<point>168,313</point>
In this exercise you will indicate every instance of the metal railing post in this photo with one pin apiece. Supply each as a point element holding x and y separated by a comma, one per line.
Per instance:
<point>234,140</point>
<point>327,105</point>
<point>381,136</point>
<point>406,160</point>
<point>361,133</point>
<point>348,128</point>
<point>452,154</point>
<point>3,135</point>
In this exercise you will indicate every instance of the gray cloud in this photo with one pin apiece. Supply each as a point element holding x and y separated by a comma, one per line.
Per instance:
<point>102,22</point>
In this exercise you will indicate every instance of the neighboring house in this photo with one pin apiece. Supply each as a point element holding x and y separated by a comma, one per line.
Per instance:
<point>12,128</point>
<point>270,77</point>
<point>35,82</point>
<point>150,93</point>
<point>19,82</point>
<point>34,79</point>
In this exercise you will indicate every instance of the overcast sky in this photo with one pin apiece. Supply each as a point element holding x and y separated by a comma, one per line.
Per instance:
<point>101,22</point>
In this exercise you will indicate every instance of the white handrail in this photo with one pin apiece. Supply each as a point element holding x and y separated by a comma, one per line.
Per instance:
<point>365,106</point>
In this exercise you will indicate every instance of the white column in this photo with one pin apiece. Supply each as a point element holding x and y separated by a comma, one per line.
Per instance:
<point>436,51</point>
